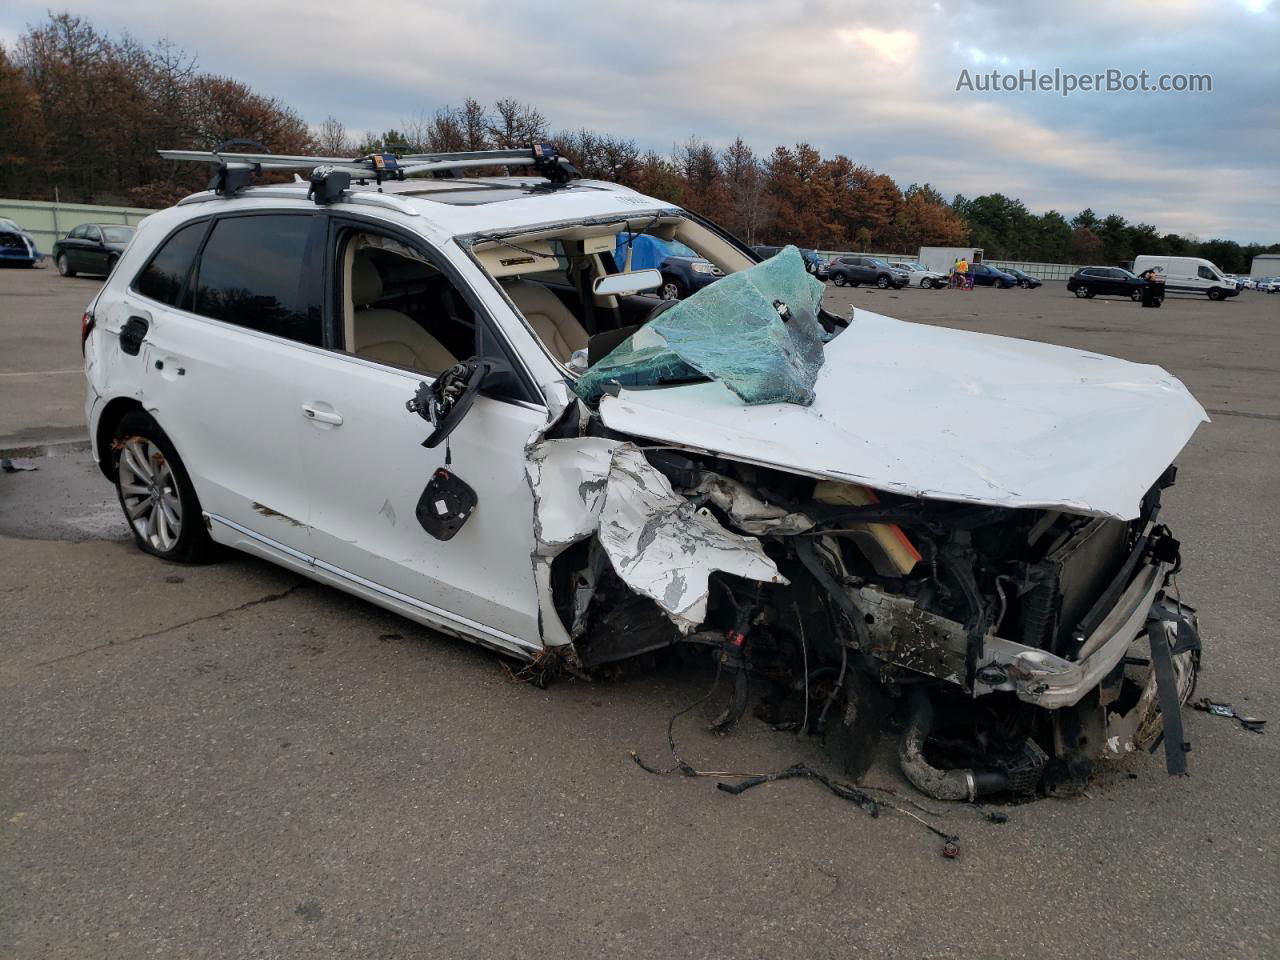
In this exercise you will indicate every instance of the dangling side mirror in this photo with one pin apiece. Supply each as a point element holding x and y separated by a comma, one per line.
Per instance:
<point>445,402</point>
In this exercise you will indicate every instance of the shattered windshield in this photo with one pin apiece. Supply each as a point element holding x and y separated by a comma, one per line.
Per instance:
<point>756,331</point>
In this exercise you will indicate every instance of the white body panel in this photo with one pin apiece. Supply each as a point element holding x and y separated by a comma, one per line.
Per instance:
<point>947,414</point>
<point>229,399</point>
<point>366,475</point>
<point>1185,274</point>
<point>943,258</point>
<point>916,276</point>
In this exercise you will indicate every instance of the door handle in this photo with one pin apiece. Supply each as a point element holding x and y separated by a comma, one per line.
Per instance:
<point>321,416</point>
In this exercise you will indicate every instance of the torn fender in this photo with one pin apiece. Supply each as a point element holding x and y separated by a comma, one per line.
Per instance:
<point>946,414</point>
<point>659,544</point>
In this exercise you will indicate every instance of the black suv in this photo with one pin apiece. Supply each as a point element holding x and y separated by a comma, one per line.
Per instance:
<point>683,275</point>
<point>855,271</point>
<point>1108,281</point>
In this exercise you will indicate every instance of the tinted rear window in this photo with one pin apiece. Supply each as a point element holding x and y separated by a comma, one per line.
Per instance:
<point>163,278</point>
<point>251,274</point>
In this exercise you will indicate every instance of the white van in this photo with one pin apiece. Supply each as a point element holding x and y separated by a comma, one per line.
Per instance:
<point>1188,275</point>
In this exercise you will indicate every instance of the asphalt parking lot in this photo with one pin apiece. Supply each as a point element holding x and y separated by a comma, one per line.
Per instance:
<point>228,761</point>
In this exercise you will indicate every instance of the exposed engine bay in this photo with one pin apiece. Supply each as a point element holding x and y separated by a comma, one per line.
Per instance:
<point>1015,646</point>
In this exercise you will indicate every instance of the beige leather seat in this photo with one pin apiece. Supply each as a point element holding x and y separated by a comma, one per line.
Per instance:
<point>390,336</point>
<point>551,320</point>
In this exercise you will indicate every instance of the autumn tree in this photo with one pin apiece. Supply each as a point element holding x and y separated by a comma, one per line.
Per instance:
<point>1085,247</point>
<point>749,208</point>
<point>705,190</point>
<point>514,124</point>
<point>23,137</point>
<point>925,219</point>
<point>332,138</point>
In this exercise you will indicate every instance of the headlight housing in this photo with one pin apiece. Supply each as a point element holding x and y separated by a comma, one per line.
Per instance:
<point>703,268</point>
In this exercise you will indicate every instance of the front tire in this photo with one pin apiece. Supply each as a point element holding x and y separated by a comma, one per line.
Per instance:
<point>925,283</point>
<point>672,289</point>
<point>1082,292</point>
<point>64,265</point>
<point>1135,296</point>
<point>1025,284</point>
<point>1216,294</point>
<point>883,282</point>
<point>156,494</point>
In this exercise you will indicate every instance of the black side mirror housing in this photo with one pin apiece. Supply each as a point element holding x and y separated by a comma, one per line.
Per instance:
<point>446,401</point>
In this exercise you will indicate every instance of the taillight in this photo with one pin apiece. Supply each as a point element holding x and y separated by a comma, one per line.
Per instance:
<point>86,328</point>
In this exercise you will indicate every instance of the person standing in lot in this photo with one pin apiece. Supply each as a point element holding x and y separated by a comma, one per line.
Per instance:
<point>1152,289</point>
<point>960,274</point>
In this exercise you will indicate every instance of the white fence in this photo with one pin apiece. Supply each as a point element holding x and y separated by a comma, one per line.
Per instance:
<point>1042,271</point>
<point>48,222</point>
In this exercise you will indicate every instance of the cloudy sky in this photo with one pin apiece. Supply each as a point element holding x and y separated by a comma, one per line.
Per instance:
<point>876,81</point>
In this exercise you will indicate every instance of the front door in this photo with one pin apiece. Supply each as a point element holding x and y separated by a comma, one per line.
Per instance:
<point>399,317</point>
<point>95,253</point>
<point>73,248</point>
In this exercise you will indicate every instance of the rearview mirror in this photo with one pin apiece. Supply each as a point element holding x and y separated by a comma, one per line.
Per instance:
<point>626,283</point>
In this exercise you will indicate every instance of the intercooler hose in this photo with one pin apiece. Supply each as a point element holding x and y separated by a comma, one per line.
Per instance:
<point>958,784</point>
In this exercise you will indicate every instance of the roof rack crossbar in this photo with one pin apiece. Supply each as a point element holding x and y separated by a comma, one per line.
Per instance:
<point>234,169</point>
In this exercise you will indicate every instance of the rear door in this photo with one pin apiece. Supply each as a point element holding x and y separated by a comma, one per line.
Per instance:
<point>222,355</point>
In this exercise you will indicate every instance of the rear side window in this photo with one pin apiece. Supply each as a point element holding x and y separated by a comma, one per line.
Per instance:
<point>252,274</point>
<point>164,277</point>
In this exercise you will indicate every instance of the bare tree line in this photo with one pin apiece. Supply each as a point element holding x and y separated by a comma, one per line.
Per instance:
<point>82,113</point>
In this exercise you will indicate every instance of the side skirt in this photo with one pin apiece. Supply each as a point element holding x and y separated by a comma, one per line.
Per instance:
<point>231,534</point>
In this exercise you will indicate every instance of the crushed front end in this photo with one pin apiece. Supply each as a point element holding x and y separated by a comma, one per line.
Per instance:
<point>1015,647</point>
<point>880,523</point>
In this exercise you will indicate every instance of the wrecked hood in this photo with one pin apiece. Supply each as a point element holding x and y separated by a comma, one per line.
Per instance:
<point>946,414</point>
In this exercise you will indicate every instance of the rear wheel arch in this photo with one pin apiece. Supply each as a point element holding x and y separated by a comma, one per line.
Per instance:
<point>112,414</point>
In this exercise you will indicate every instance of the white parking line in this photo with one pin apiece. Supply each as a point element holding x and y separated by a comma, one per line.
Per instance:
<point>43,373</point>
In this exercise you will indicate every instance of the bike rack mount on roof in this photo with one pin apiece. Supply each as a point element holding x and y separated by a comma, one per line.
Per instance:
<point>327,174</point>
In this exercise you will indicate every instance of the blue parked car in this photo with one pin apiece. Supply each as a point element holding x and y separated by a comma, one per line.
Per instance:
<point>1025,280</point>
<point>16,245</point>
<point>988,276</point>
<point>683,271</point>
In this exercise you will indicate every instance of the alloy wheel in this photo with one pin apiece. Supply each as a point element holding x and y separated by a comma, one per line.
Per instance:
<point>150,493</point>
